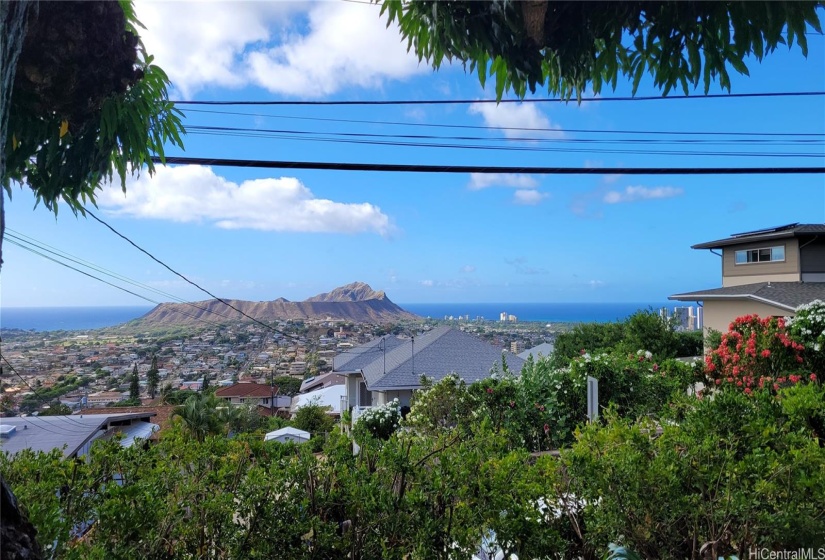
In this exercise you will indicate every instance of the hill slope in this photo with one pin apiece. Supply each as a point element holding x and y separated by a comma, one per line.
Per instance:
<point>356,302</point>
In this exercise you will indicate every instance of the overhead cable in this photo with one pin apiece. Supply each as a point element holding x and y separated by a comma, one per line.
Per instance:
<point>535,170</point>
<point>487,101</point>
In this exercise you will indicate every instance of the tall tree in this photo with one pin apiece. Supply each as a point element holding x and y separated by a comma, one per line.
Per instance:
<point>134,385</point>
<point>568,46</point>
<point>153,378</point>
<point>82,101</point>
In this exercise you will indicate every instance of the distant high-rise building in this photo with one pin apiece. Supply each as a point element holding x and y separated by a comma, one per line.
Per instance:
<point>503,316</point>
<point>517,347</point>
<point>512,318</point>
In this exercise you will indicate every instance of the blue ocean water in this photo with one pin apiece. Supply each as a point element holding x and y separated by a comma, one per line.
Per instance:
<point>549,312</point>
<point>80,318</point>
<point>67,318</point>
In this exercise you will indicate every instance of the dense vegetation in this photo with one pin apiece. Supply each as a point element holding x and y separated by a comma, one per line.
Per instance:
<point>664,473</point>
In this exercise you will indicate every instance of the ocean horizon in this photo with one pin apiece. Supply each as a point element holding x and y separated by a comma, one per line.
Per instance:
<point>87,318</point>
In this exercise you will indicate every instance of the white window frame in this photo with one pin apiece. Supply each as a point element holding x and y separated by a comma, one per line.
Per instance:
<point>771,249</point>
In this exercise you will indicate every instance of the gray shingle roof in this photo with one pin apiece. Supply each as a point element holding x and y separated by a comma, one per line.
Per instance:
<point>544,349</point>
<point>44,433</point>
<point>787,295</point>
<point>360,356</point>
<point>437,353</point>
<point>790,230</point>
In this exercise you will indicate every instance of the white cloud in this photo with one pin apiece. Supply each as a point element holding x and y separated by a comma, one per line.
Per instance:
<point>200,44</point>
<point>347,45</point>
<point>596,284</point>
<point>516,180</point>
<point>514,115</point>
<point>197,194</point>
<point>634,194</point>
<point>427,283</point>
<point>528,198</point>
<point>467,269</point>
<point>291,48</point>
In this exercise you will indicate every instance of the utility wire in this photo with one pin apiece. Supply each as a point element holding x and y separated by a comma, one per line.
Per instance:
<point>559,139</point>
<point>487,101</point>
<point>31,250</point>
<point>537,170</point>
<point>509,128</point>
<point>66,431</point>
<point>176,273</point>
<point>508,148</point>
<point>62,254</point>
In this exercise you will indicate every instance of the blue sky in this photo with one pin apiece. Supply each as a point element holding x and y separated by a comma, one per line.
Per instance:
<point>262,234</point>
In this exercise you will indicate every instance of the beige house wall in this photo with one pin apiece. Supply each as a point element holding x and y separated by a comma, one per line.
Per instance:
<point>718,314</point>
<point>785,271</point>
<point>403,396</point>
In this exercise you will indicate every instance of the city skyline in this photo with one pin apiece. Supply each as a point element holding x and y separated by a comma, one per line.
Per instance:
<point>263,234</point>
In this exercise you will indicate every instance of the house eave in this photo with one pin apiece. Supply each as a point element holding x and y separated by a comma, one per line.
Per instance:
<point>751,297</point>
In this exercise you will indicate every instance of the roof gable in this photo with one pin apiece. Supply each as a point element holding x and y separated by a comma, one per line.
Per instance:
<point>437,353</point>
<point>243,390</point>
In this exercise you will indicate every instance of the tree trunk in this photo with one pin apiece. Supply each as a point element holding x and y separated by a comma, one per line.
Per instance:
<point>16,533</point>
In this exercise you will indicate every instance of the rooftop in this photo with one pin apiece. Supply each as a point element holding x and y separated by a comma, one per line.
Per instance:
<point>70,433</point>
<point>245,390</point>
<point>785,295</point>
<point>767,234</point>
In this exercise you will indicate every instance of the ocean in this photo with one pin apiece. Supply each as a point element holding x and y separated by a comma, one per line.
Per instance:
<point>83,318</point>
<point>67,318</point>
<point>544,312</point>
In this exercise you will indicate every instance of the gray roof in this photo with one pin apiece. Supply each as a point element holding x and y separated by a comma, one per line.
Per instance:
<point>786,295</point>
<point>436,353</point>
<point>44,433</point>
<point>360,356</point>
<point>544,349</point>
<point>768,234</point>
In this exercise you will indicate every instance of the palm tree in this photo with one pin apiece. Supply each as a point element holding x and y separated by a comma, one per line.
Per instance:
<point>200,416</point>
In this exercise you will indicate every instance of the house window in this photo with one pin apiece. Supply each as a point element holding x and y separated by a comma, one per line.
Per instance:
<point>766,254</point>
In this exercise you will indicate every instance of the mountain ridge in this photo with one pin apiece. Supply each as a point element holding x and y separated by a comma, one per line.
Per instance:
<point>355,302</point>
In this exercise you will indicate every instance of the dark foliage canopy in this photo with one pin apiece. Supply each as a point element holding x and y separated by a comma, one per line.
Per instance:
<point>568,46</point>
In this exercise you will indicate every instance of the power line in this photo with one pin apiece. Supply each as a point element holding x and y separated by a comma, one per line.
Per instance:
<point>176,273</point>
<point>508,128</point>
<point>12,240</point>
<point>22,246</point>
<point>506,148</point>
<point>540,100</point>
<point>559,139</point>
<point>62,254</point>
<point>537,170</point>
<point>66,431</point>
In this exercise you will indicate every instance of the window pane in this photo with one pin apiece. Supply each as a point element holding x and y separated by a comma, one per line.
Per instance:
<point>778,254</point>
<point>741,257</point>
<point>764,255</point>
<point>753,256</point>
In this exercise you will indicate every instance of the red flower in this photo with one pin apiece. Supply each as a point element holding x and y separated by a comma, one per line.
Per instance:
<point>655,367</point>
<point>490,390</point>
<point>813,377</point>
<point>546,429</point>
<point>718,381</point>
<point>766,353</point>
<point>748,390</point>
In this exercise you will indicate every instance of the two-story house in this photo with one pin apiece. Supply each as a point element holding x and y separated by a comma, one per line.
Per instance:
<point>768,272</point>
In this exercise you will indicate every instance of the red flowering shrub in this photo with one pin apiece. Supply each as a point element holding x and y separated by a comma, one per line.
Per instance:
<point>756,353</point>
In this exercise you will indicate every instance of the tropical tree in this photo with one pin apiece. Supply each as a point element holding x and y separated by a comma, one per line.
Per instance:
<point>82,101</point>
<point>153,378</point>
<point>569,46</point>
<point>200,416</point>
<point>134,385</point>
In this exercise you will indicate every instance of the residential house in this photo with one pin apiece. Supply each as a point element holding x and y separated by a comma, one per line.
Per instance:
<point>256,394</point>
<point>73,434</point>
<point>545,349</point>
<point>104,397</point>
<point>390,368</point>
<point>768,272</point>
